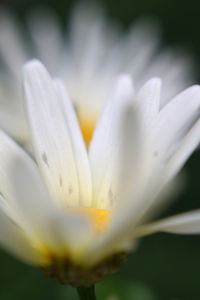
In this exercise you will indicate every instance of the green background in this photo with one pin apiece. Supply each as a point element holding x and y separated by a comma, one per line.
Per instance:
<point>164,267</point>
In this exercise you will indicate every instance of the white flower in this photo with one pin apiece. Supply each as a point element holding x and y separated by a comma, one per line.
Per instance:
<point>81,206</point>
<point>88,59</point>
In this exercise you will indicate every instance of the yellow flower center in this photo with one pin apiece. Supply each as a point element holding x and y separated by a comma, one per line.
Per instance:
<point>98,217</point>
<point>87,128</point>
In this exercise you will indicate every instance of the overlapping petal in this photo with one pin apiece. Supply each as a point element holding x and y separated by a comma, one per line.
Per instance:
<point>186,223</point>
<point>50,135</point>
<point>137,148</point>
<point>105,165</point>
<point>78,145</point>
<point>174,121</point>
<point>88,57</point>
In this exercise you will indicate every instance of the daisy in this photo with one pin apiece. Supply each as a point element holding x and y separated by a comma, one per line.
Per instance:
<point>75,211</point>
<point>88,58</point>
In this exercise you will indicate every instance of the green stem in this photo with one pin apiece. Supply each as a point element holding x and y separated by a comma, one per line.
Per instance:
<point>86,293</point>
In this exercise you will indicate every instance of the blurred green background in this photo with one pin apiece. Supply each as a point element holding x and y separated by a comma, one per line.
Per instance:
<point>164,267</point>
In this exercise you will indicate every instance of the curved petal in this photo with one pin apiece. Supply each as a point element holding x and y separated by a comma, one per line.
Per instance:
<point>21,186</point>
<point>104,148</point>
<point>14,239</point>
<point>186,223</point>
<point>12,121</point>
<point>12,45</point>
<point>78,144</point>
<point>185,149</point>
<point>174,120</point>
<point>50,135</point>
<point>47,38</point>
<point>148,99</point>
<point>175,70</point>
<point>126,226</point>
<point>167,184</point>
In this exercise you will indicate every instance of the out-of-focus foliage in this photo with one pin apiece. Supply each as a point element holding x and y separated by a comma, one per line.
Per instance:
<point>116,289</point>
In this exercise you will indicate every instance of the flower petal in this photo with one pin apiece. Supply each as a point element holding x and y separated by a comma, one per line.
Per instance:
<point>21,186</point>
<point>79,148</point>
<point>148,99</point>
<point>12,45</point>
<point>186,223</point>
<point>175,70</point>
<point>47,38</point>
<point>104,147</point>
<point>138,47</point>
<point>15,240</point>
<point>12,120</point>
<point>55,231</point>
<point>165,185</point>
<point>174,120</point>
<point>185,149</point>
<point>50,135</point>
<point>132,200</point>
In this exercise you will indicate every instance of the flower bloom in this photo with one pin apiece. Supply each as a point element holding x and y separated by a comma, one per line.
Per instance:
<point>76,210</point>
<point>88,59</point>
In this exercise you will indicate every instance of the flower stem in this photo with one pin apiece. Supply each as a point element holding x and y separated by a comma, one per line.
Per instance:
<point>86,293</point>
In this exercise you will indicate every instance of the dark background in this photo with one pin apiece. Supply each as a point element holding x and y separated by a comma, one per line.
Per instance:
<point>164,267</point>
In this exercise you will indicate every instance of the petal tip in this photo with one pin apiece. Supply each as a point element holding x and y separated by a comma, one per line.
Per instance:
<point>32,64</point>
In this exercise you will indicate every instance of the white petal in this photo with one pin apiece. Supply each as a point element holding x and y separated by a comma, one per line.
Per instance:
<point>173,68</point>
<point>85,32</point>
<point>13,122</point>
<point>21,186</point>
<point>90,42</point>
<point>46,35</point>
<point>185,149</point>
<point>73,233</point>
<point>51,229</point>
<point>166,188</point>
<point>132,52</point>
<point>128,213</point>
<point>80,152</point>
<point>15,240</point>
<point>174,120</point>
<point>149,101</point>
<point>147,203</point>
<point>139,46</point>
<point>50,135</point>
<point>186,223</point>
<point>104,147</point>
<point>130,203</point>
<point>12,45</point>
